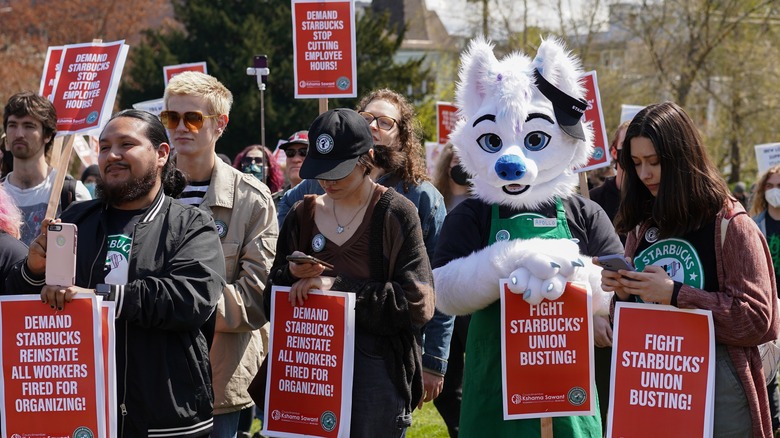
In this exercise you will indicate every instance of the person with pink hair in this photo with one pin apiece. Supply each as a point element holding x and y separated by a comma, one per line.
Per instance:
<point>12,250</point>
<point>259,161</point>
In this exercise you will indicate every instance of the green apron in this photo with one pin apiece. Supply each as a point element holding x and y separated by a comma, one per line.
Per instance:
<point>482,413</point>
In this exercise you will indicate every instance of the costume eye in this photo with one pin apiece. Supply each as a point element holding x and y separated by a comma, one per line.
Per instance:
<point>490,142</point>
<point>536,141</point>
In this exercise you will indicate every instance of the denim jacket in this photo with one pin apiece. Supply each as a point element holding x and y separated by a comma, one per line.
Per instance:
<point>430,207</point>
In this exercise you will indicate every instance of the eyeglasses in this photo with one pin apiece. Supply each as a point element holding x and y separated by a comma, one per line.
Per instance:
<point>193,120</point>
<point>291,152</point>
<point>248,161</point>
<point>384,123</point>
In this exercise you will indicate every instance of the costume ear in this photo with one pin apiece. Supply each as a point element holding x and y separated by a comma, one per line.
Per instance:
<point>475,66</point>
<point>559,67</point>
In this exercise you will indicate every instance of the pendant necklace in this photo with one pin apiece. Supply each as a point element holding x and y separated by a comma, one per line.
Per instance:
<point>340,228</point>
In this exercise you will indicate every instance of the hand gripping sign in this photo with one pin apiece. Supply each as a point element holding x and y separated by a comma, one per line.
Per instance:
<point>52,371</point>
<point>311,357</point>
<point>663,372</point>
<point>547,360</point>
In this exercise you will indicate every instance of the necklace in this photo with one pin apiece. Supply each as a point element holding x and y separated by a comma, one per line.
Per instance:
<point>340,228</point>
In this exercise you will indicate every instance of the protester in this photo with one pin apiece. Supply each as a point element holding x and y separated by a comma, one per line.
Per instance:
<point>295,150</point>
<point>740,193</point>
<point>387,270</point>
<point>165,287</point>
<point>452,181</point>
<point>607,196</point>
<point>90,178</point>
<point>765,210</point>
<point>11,249</point>
<point>258,161</point>
<point>675,195</point>
<point>30,124</point>
<point>197,108</point>
<point>399,164</point>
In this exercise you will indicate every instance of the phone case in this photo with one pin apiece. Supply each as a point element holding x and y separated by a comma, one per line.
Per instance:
<point>61,254</point>
<point>615,263</point>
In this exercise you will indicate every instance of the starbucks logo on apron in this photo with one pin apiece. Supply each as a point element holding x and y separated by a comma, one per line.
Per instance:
<point>502,235</point>
<point>678,257</point>
<point>318,243</point>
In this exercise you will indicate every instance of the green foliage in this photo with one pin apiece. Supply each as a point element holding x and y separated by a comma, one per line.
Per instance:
<point>228,33</point>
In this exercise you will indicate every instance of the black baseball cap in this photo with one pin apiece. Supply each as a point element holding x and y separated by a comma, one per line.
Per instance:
<point>300,137</point>
<point>340,136</point>
<point>568,110</point>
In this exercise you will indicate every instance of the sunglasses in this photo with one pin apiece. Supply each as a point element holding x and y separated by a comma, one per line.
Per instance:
<point>301,152</point>
<point>193,120</point>
<point>384,123</point>
<point>247,161</point>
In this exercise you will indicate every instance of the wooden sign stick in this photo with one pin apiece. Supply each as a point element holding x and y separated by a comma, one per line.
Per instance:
<point>547,431</point>
<point>59,179</point>
<point>323,104</point>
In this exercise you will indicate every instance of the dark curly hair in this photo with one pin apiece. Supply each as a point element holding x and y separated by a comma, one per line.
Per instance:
<point>409,135</point>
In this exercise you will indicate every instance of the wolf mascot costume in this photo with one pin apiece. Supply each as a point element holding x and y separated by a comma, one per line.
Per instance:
<point>520,135</point>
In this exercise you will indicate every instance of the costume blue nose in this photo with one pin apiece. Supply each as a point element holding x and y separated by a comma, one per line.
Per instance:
<point>510,167</point>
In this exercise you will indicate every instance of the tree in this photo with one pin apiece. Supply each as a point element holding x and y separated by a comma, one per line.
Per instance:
<point>31,26</point>
<point>227,34</point>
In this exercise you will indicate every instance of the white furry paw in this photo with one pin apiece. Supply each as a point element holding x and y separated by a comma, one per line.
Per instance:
<point>543,277</point>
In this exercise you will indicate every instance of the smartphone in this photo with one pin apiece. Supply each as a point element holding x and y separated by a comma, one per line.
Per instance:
<point>308,259</point>
<point>61,241</point>
<point>615,262</point>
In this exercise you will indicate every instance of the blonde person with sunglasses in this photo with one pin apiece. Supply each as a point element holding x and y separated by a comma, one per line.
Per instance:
<point>197,108</point>
<point>400,164</point>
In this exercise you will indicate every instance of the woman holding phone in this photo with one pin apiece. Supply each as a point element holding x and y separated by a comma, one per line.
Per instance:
<point>694,247</point>
<point>372,237</point>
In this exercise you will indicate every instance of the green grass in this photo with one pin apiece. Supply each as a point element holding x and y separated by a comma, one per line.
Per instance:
<point>426,423</point>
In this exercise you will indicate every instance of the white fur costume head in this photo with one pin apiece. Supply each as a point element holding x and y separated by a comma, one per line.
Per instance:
<point>508,137</point>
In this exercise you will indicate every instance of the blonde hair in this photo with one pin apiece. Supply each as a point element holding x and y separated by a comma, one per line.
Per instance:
<point>759,203</point>
<point>192,83</point>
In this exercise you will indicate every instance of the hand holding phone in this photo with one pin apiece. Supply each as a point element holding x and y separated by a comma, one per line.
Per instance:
<point>615,262</point>
<point>308,259</point>
<point>61,241</point>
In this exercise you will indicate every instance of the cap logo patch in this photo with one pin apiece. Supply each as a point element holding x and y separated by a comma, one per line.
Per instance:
<point>324,143</point>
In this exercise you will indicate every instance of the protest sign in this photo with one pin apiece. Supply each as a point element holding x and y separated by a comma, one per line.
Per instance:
<point>546,352</point>
<point>154,106</point>
<point>52,368</point>
<point>600,156</point>
<point>86,85</point>
<point>310,362</point>
<point>767,155</point>
<point>50,68</point>
<point>108,314</point>
<point>627,112</point>
<point>324,48</point>
<point>170,71</point>
<point>663,372</point>
<point>446,117</point>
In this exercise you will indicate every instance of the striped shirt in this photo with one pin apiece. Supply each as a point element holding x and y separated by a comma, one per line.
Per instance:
<point>194,192</point>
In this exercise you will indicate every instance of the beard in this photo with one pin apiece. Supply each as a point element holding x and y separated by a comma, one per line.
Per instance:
<point>127,191</point>
<point>389,159</point>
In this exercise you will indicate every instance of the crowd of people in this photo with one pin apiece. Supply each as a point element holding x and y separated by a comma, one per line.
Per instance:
<point>225,227</point>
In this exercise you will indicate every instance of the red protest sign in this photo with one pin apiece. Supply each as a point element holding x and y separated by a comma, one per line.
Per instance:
<point>50,69</point>
<point>324,48</point>
<point>107,315</point>
<point>600,156</point>
<point>446,117</point>
<point>546,348</point>
<point>86,85</point>
<point>52,368</point>
<point>310,364</point>
<point>170,71</point>
<point>663,377</point>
